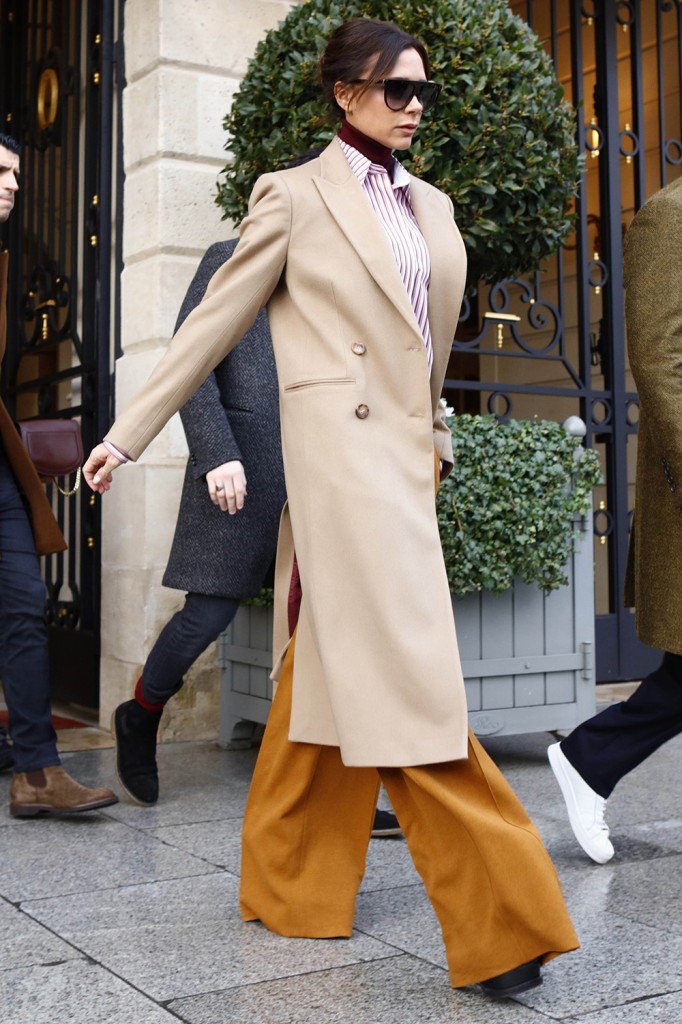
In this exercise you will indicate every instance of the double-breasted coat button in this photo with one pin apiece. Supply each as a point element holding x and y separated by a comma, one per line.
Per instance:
<point>358,348</point>
<point>362,412</point>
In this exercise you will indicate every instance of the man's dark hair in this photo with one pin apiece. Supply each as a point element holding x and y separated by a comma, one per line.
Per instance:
<point>10,143</point>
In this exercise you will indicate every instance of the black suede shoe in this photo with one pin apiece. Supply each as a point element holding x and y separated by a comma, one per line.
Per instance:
<point>513,983</point>
<point>6,755</point>
<point>385,825</point>
<point>134,729</point>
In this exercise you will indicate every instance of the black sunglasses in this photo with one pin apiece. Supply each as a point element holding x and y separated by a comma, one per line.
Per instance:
<point>398,92</point>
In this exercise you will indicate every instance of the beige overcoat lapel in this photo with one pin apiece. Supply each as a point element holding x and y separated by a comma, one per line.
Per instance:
<point>348,204</point>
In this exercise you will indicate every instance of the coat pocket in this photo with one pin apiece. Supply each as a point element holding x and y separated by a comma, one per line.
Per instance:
<point>319,382</point>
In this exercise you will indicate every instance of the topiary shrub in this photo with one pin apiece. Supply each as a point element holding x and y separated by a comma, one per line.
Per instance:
<point>501,142</point>
<point>508,508</point>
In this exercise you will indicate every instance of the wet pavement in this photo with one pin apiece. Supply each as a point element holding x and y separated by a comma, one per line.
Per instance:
<point>130,915</point>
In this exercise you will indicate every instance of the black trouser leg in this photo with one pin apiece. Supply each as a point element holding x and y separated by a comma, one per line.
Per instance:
<point>605,748</point>
<point>24,663</point>
<point>199,622</point>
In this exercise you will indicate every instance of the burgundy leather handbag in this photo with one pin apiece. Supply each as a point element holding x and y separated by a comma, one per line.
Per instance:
<point>55,448</point>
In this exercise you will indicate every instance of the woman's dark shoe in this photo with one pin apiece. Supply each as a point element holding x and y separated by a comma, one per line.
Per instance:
<point>134,729</point>
<point>513,983</point>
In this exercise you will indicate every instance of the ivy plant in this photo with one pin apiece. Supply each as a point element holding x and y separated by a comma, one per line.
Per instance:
<point>501,142</point>
<point>509,506</point>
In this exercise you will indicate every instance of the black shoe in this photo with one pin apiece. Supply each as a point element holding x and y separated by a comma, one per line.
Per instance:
<point>134,729</point>
<point>512,983</point>
<point>6,755</point>
<point>385,825</point>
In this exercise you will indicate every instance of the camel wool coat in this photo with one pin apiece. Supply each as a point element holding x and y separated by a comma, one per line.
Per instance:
<point>653,313</point>
<point>46,533</point>
<point>377,669</point>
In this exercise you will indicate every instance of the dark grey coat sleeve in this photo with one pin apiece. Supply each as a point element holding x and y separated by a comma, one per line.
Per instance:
<point>207,428</point>
<point>233,415</point>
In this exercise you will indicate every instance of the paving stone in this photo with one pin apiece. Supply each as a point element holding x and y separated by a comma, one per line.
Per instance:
<point>81,854</point>
<point>77,992</point>
<point>396,991</point>
<point>172,939</point>
<point>25,943</point>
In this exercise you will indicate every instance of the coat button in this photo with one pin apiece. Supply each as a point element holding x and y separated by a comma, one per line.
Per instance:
<point>358,348</point>
<point>362,412</point>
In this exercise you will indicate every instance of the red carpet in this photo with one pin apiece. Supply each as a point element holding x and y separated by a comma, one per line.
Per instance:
<point>57,721</point>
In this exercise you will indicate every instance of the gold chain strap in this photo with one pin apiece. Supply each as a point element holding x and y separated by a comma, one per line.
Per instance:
<point>68,494</point>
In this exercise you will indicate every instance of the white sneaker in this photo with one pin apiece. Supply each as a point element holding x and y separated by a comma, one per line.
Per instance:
<point>585,807</point>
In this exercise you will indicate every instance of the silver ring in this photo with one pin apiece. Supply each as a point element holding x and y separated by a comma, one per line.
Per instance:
<point>220,487</point>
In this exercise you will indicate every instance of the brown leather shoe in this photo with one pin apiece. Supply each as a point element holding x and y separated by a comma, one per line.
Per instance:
<point>52,791</point>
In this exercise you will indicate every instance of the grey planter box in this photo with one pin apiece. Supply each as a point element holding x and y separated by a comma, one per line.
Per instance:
<point>527,658</point>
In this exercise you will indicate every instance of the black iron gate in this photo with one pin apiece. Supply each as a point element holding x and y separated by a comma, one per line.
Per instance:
<point>59,97</point>
<point>553,345</point>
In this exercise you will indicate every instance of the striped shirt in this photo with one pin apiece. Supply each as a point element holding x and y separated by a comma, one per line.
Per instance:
<point>390,201</point>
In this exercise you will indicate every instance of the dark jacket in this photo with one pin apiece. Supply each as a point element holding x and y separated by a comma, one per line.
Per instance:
<point>48,537</point>
<point>233,415</point>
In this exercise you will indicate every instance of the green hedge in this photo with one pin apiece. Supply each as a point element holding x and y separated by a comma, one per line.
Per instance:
<point>508,507</point>
<point>501,142</point>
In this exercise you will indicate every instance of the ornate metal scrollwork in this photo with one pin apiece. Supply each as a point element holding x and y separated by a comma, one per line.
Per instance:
<point>628,143</point>
<point>625,14</point>
<point>589,12</point>
<point>500,404</point>
<point>542,315</point>
<point>46,307</point>
<point>670,147</point>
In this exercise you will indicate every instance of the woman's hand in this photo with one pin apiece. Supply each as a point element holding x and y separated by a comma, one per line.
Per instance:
<point>99,467</point>
<point>227,486</point>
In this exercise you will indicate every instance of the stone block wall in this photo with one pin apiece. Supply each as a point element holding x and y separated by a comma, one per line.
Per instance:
<point>184,60</point>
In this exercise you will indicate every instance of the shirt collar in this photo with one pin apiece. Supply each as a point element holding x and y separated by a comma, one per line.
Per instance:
<point>361,164</point>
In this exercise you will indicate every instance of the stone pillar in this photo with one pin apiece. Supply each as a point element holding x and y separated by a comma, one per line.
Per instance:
<point>184,60</point>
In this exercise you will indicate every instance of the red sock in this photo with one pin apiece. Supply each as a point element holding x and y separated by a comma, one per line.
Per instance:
<point>146,704</point>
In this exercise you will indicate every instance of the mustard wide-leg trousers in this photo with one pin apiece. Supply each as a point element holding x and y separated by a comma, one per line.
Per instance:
<point>307,828</point>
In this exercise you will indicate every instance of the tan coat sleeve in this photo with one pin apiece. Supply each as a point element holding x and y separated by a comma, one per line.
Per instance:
<point>235,295</point>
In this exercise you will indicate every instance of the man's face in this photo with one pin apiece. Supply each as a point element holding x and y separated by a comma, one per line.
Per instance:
<point>9,181</point>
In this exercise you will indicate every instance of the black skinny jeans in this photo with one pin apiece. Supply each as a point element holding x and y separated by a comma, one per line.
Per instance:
<point>199,622</point>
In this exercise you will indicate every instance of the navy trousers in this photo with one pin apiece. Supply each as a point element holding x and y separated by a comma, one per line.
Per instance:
<point>24,665</point>
<point>605,748</point>
<point>199,622</point>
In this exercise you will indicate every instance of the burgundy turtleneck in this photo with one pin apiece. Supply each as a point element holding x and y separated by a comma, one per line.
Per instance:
<point>370,148</point>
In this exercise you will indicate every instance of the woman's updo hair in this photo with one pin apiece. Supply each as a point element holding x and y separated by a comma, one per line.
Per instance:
<point>354,44</point>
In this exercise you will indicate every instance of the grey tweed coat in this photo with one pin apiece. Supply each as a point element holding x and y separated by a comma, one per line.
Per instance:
<point>233,415</point>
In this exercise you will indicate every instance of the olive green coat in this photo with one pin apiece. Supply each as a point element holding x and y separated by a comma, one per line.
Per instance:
<point>653,308</point>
